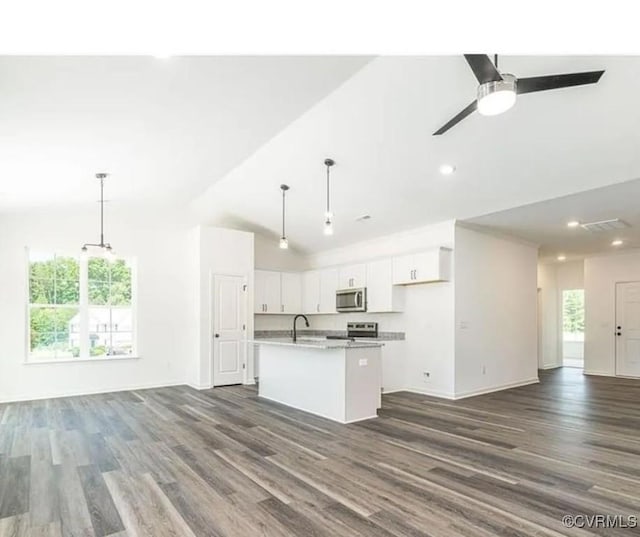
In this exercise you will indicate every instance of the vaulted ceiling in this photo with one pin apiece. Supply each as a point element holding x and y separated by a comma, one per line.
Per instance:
<point>225,132</point>
<point>378,127</point>
<point>164,128</point>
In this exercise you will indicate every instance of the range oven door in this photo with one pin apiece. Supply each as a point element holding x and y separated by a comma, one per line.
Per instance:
<point>351,300</point>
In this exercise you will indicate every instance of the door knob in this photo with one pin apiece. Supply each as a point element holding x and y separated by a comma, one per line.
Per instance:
<point>618,333</point>
<point>216,335</point>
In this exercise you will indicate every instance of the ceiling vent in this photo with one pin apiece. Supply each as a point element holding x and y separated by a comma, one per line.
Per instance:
<point>605,225</point>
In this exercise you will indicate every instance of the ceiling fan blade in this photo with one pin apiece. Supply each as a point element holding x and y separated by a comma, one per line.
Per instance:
<point>483,68</point>
<point>457,119</point>
<point>543,83</point>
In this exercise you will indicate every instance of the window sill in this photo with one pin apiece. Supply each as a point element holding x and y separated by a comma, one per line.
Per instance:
<point>80,360</point>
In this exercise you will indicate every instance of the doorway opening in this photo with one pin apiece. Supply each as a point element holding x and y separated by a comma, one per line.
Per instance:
<point>573,328</point>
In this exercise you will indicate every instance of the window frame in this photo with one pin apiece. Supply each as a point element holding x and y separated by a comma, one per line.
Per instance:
<point>83,308</point>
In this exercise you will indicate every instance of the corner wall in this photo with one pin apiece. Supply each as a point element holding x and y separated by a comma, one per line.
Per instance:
<point>496,341</point>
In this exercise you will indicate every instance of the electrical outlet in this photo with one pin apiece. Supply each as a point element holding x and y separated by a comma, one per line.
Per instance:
<point>425,376</point>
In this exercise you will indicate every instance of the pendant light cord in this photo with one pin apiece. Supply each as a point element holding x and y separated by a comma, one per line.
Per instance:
<point>283,231</point>
<point>328,193</point>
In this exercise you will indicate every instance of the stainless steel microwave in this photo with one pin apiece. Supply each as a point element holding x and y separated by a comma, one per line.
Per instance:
<point>351,299</point>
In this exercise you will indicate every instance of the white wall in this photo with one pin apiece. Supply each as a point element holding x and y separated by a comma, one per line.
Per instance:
<point>495,312</point>
<point>600,277</point>
<point>549,323</point>
<point>553,279</point>
<point>157,239</point>
<point>268,256</point>
<point>219,251</point>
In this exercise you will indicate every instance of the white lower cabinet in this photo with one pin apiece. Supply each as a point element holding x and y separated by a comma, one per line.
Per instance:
<point>393,368</point>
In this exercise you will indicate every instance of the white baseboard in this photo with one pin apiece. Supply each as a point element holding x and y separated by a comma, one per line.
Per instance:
<point>79,393</point>
<point>497,388</point>
<point>430,393</point>
<point>598,373</point>
<point>198,387</point>
<point>550,366</point>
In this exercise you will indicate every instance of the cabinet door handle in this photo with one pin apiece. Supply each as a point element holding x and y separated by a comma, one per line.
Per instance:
<point>265,307</point>
<point>318,308</point>
<point>282,308</point>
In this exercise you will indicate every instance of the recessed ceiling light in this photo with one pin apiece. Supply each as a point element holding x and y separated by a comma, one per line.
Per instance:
<point>447,169</point>
<point>562,257</point>
<point>616,242</point>
<point>573,223</point>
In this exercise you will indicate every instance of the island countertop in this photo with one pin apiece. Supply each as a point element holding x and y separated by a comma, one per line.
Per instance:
<point>318,343</point>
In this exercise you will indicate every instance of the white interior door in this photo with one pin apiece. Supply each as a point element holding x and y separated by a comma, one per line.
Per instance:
<point>229,330</point>
<point>628,329</point>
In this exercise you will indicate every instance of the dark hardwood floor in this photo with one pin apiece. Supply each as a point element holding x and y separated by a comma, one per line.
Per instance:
<point>178,462</point>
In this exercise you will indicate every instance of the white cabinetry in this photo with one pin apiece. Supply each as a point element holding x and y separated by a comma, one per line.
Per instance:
<point>430,266</point>
<point>328,288</point>
<point>291,292</point>
<point>311,291</point>
<point>352,276</point>
<point>393,366</point>
<point>267,292</point>
<point>319,291</point>
<point>382,296</point>
<point>277,292</point>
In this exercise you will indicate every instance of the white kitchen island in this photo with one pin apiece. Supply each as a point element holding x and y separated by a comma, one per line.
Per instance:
<point>335,379</point>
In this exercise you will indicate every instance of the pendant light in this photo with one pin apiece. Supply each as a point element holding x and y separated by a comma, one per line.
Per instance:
<point>106,248</point>
<point>328,215</point>
<point>284,242</point>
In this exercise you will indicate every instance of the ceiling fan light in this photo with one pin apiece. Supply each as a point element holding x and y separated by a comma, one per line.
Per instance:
<point>284,243</point>
<point>497,97</point>
<point>328,227</point>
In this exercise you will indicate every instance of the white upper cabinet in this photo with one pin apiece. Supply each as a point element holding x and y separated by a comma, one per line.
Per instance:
<point>352,276</point>
<point>311,291</point>
<point>429,266</point>
<point>291,292</point>
<point>319,291</point>
<point>382,296</point>
<point>328,287</point>
<point>267,292</point>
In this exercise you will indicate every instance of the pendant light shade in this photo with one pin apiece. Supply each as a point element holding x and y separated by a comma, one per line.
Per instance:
<point>328,215</point>
<point>284,242</point>
<point>107,250</point>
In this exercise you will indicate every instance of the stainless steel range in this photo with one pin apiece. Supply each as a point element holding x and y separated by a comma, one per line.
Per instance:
<point>362,330</point>
<point>359,330</point>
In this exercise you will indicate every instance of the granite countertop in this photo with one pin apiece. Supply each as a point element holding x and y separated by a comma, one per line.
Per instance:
<point>307,333</point>
<point>318,343</point>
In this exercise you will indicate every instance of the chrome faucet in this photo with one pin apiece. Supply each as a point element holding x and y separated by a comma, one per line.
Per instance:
<point>295,334</point>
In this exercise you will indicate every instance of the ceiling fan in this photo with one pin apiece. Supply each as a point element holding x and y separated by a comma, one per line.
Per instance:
<point>497,91</point>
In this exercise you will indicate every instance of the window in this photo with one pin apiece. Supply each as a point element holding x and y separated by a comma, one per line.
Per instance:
<point>80,307</point>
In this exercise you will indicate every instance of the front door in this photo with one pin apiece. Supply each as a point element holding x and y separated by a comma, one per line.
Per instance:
<point>628,329</point>
<point>229,330</point>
